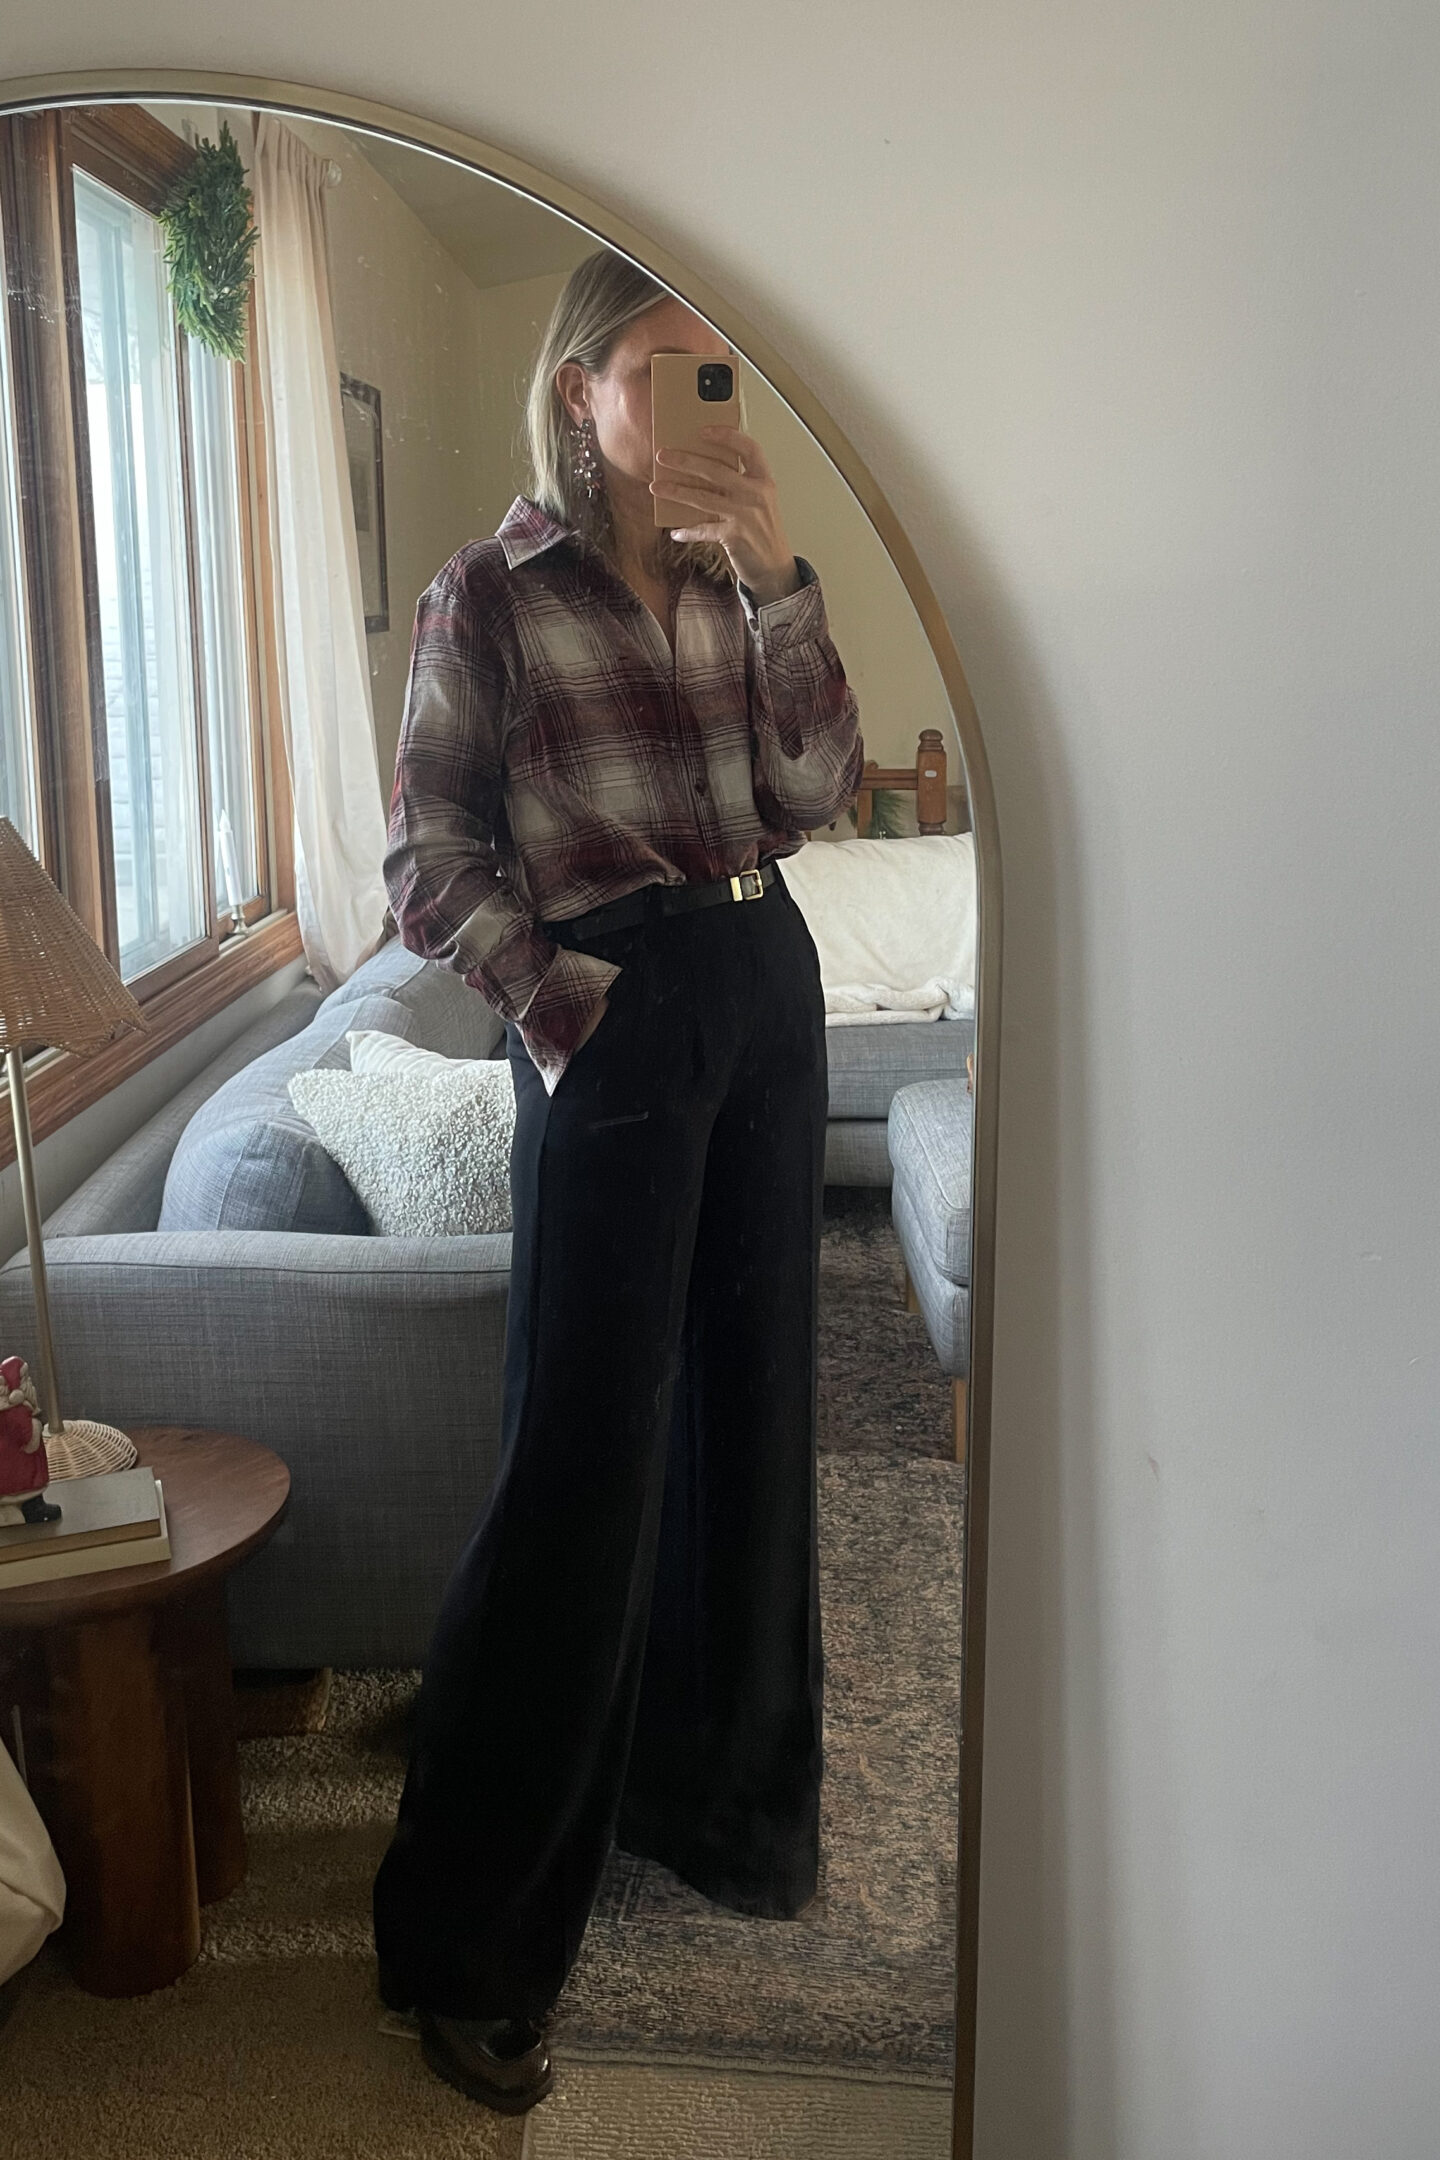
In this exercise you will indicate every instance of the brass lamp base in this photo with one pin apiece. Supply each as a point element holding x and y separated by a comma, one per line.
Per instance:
<point>83,1448</point>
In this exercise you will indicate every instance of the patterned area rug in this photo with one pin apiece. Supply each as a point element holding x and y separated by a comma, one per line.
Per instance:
<point>881,1387</point>
<point>863,1979</point>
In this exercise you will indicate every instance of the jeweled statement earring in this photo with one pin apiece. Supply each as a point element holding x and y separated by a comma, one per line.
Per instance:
<point>585,458</point>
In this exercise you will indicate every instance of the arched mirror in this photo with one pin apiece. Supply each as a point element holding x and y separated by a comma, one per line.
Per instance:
<point>256,632</point>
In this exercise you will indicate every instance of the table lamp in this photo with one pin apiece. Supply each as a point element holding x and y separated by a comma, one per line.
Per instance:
<point>56,989</point>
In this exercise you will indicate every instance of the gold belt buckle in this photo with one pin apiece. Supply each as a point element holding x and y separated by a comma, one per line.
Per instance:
<point>740,890</point>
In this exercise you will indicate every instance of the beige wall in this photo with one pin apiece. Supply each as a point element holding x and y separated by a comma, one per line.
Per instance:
<point>514,316</point>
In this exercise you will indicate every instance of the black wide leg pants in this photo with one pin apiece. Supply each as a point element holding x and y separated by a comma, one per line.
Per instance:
<point>629,1646</point>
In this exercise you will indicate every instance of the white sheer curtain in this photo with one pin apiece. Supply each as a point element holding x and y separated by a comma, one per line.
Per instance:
<point>324,668</point>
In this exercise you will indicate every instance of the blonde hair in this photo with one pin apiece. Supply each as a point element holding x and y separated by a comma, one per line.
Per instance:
<point>601,295</point>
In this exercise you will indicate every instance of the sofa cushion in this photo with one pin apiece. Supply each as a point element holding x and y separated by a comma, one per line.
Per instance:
<point>128,1189</point>
<point>449,1016</point>
<point>247,1160</point>
<point>930,1133</point>
<point>867,1064</point>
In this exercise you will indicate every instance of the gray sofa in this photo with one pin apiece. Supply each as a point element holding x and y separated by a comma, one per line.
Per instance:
<point>867,1066</point>
<point>372,1364</point>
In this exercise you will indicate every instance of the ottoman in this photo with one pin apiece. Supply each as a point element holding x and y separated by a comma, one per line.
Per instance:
<point>929,1135</point>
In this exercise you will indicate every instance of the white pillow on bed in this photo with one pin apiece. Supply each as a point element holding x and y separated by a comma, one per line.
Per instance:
<point>893,922</point>
<point>424,1140</point>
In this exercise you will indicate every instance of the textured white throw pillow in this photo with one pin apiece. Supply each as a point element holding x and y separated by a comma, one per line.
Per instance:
<point>427,1148</point>
<point>373,1051</point>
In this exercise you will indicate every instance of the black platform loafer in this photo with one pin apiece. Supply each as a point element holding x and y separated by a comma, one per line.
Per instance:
<point>502,2062</point>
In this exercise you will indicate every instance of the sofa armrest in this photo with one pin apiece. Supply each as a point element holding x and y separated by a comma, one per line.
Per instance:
<point>374,1366</point>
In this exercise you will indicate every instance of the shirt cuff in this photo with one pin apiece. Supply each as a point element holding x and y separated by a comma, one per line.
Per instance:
<point>792,619</point>
<point>560,1010</point>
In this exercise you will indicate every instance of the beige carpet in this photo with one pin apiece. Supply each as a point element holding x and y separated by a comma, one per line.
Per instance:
<point>621,2112</point>
<point>242,2060</point>
<point>881,1387</point>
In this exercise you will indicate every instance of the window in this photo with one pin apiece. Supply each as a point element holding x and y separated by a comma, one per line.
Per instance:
<point>140,753</point>
<point>141,576</point>
<point>17,769</point>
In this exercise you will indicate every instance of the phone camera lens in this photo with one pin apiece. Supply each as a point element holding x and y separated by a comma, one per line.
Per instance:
<point>717,382</point>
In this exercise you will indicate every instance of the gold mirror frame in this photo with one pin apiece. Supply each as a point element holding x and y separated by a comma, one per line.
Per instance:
<point>132,85</point>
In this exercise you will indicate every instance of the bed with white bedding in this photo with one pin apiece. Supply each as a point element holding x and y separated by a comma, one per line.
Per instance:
<point>894,924</point>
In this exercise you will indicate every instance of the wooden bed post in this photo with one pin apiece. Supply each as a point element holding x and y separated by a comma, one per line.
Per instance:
<point>925,779</point>
<point>930,801</point>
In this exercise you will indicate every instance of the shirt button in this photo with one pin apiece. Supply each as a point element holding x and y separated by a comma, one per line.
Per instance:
<point>702,785</point>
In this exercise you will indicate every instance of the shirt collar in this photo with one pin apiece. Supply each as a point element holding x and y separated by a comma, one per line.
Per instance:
<point>526,530</point>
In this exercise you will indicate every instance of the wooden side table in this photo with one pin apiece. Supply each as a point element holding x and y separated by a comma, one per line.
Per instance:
<point>128,1716</point>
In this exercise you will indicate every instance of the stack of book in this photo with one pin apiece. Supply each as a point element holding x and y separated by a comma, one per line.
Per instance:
<point>114,1520</point>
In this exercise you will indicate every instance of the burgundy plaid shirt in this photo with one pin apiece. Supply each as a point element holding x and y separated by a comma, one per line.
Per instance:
<point>553,755</point>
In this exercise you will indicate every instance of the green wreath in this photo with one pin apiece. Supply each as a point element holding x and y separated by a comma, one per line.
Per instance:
<point>209,241</point>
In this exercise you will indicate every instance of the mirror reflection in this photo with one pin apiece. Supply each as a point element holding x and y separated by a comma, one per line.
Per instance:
<point>560,916</point>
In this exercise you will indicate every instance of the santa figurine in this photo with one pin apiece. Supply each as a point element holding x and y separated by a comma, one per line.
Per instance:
<point>24,1470</point>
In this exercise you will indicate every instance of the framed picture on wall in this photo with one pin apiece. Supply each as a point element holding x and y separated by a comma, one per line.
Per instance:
<point>360,405</point>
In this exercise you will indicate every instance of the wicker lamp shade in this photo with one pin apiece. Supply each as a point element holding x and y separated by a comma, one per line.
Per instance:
<point>57,989</point>
<point>56,986</point>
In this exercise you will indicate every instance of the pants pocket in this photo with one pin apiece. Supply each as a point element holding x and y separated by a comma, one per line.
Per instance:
<point>621,996</point>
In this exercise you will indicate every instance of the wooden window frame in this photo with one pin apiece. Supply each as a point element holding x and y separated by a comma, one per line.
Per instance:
<point>135,154</point>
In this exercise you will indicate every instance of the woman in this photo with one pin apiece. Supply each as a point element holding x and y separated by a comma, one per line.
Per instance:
<point>610,733</point>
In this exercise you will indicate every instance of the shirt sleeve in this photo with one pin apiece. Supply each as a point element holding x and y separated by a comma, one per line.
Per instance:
<point>807,751</point>
<point>454,889</point>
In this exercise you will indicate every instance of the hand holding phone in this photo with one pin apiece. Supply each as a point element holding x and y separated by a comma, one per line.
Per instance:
<point>709,488</point>
<point>689,391</point>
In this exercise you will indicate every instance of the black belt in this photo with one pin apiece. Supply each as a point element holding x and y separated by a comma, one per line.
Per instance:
<point>655,899</point>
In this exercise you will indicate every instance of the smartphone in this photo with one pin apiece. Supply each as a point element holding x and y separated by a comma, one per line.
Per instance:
<point>689,391</point>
